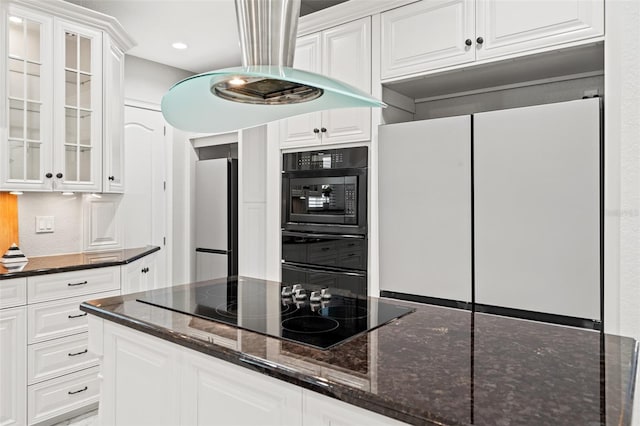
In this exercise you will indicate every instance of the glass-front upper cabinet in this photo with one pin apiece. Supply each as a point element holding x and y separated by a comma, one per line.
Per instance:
<point>78,108</point>
<point>26,130</point>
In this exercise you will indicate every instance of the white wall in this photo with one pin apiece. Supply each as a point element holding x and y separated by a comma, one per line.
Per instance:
<point>148,81</point>
<point>67,212</point>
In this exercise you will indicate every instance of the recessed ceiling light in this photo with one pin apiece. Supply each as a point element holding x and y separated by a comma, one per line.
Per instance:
<point>179,45</point>
<point>236,81</point>
<point>16,193</point>
<point>67,193</point>
<point>15,19</point>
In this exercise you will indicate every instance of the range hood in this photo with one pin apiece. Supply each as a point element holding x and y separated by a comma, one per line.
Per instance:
<point>266,87</point>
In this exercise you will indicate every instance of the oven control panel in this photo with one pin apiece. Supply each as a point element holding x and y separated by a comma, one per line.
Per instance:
<point>347,158</point>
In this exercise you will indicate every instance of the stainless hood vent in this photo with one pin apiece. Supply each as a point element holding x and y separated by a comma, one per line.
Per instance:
<point>266,87</point>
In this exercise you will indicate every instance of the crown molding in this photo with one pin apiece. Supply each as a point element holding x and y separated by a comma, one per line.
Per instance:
<point>82,15</point>
<point>345,12</point>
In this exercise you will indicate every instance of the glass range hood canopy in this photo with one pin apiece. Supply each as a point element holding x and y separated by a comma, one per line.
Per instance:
<point>266,87</point>
<point>270,93</point>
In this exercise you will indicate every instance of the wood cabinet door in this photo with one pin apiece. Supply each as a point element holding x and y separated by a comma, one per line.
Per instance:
<point>509,26</point>
<point>13,366</point>
<point>299,130</point>
<point>346,56</point>
<point>427,35</point>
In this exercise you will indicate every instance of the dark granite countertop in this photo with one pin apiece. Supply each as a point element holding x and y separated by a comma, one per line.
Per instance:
<point>434,366</point>
<point>42,265</point>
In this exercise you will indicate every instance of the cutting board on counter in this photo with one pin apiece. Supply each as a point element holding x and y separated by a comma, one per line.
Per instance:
<point>8,221</point>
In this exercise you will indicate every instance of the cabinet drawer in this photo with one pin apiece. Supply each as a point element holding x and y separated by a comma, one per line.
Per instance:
<point>58,357</point>
<point>68,284</point>
<point>59,318</point>
<point>13,292</point>
<point>57,396</point>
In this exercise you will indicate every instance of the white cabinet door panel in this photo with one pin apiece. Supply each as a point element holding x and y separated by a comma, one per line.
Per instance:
<point>346,56</point>
<point>13,366</point>
<point>320,410</point>
<point>510,26</point>
<point>298,130</point>
<point>427,35</point>
<point>13,292</point>
<point>425,208</point>
<point>235,396</point>
<point>537,208</point>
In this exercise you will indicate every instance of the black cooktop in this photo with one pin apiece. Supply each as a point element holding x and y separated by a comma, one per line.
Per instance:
<point>259,306</point>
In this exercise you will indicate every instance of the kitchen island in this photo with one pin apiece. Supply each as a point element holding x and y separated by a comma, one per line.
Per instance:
<point>432,366</point>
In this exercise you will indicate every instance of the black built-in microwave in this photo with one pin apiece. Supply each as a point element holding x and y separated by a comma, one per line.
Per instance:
<point>325,191</point>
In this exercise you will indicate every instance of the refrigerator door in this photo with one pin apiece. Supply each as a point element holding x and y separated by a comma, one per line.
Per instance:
<point>425,208</point>
<point>537,208</point>
<point>210,266</point>
<point>212,204</point>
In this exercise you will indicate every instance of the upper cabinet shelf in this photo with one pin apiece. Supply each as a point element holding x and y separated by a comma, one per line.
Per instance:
<point>429,35</point>
<point>56,129</point>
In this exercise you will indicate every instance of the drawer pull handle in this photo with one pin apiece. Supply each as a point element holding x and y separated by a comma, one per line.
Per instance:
<point>78,391</point>
<point>75,284</point>
<point>79,353</point>
<point>325,248</point>
<point>78,316</point>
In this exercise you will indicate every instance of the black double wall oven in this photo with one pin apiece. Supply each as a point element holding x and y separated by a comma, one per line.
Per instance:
<point>324,220</point>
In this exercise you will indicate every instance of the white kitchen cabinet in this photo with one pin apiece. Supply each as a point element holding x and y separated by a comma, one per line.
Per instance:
<point>140,380</point>
<point>52,91</point>
<point>13,366</point>
<point>140,275</point>
<point>232,395</point>
<point>429,35</point>
<point>342,53</point>
<point>113,165</point>
<point>425,208</point>
<point>508,26</point>
<point>13,292</point>
<point>537,208</point>
<point>320,410</point>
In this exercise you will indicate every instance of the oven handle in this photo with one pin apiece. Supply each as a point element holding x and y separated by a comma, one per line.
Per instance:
<point>330,236</point>
<point>306,268</point>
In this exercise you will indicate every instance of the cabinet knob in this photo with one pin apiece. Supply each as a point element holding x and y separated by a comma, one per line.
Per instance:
<point>59,175</point>
<point>316,130</point>
<point>468,42</point>
<point>479,40</point>
<point>49,175</point>
<point>323,130</point>
<point>112,178</point>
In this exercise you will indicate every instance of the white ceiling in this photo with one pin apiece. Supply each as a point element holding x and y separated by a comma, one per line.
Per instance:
<point>208,27</point>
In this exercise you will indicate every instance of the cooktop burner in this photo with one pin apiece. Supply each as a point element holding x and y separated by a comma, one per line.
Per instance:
<point>259,306</point>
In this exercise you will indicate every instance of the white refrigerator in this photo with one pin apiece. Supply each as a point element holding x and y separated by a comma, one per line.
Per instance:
<point>216,218</point>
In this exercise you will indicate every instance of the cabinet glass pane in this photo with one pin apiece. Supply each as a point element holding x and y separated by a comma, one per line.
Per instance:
<point>33,82</point>
<point>85,164</point>
<point>85,54</point>
<point>85,128</point>
<point>16,119</point>
<point>70,125</point>
<point>16,78</point>
<point>16,37</point>
<point>33,161</point>
<point>85,91</point>
<point>16,160</point>
<point>71,162</point>
<point>33,41</point>
<point>71,50</point>
<point>71,88</point>
<point>33,121</point>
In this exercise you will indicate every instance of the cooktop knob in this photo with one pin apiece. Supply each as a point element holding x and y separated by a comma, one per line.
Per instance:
<point>324,294</point>
<point>286,291</point>
<point>315,297</point>
<point>300,294</point>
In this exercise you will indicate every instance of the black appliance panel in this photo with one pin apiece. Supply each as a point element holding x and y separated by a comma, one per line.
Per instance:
<point>249,305</point>
<point>324,200</point>
<point>351,284</point>
<point>347,252</point>
<point>326,159</point>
